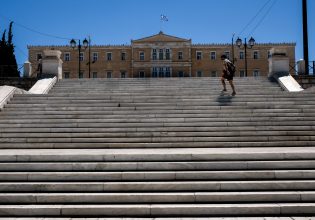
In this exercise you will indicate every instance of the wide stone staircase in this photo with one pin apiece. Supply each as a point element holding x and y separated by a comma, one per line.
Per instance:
<point>152,148</point>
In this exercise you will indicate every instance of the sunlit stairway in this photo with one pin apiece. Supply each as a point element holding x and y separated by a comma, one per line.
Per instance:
<point>149,148</point>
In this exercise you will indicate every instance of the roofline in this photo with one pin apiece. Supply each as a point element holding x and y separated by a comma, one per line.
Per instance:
<point>68,46</point>
<point>258,44</point>
<point>160,33</point>
<point>129,46</point>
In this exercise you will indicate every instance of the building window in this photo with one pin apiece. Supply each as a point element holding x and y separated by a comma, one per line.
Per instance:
<point>242,73</point>
<point>269,54</point>
<point>161,72</point>
<point>180,74</point>
<point>95,57</point>
<point>227,54</point>
<point>80,75</point>
<point>38,56</point>
<point>123,74</point>
<point>213,73</point>
<point>109,56</point>
<point>123,56</point>
<point>94,75</point>
<point>256,73</point>
<point>109,74</point>
<point>161,54</point>
<point>66,75</point>
<point>154,54</point>
<point>67,56</point>
<point>199,73</point>
<point>167,54</point>
<point>180,55</point>
<point>154,72</point>
<point>199,55</point>
<point>141,55</point>
<point>213,55</point>
<point>242,55</point>
<point>141,74</point>
<point>256,55</point>
<point>167,72</point>
<point>81,56</point>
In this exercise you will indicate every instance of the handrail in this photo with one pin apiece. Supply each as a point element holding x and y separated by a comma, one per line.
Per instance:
<point>7,92</point>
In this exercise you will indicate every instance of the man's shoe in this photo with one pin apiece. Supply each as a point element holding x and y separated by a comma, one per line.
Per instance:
<point>233,93</point>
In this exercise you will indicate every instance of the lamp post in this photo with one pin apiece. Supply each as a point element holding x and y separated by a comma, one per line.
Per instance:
<point>233,60</point>
<point>73,44</point>
<point>246,46</point>
<point>305,36</point>
<point>89,42</point>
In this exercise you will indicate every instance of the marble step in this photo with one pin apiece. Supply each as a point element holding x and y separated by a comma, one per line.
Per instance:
<point>88,124</point>
<point>189,140</point>
<point>178,109</point>
<point>115,134</point>
<point>285,130</point>
<point>153,198</point>
<point>74,111</point>
<point>101,115</point>
<point>167,92</point>
<point>157,155</point>
<point>126,103</point>
<point>158,166</point>
<point>159,175</point>
<point>178,84</point>
<point>115,95</point>
<point>158,186</point>
<point>49,144</point>
<point>232,118</point>
<point>156,210</point>
<point>152,87</point>
<point>171,105</point>
<point>157,109</point>
<point>164,218</point>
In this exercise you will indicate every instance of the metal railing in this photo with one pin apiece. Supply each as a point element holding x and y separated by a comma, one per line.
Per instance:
<point>298,70</point>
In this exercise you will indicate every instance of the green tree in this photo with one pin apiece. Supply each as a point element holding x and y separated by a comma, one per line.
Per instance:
<point>3,52</point>
<point>8,65</point>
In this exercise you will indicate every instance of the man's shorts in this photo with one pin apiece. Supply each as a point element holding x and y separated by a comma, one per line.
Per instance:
<point>227,76</point>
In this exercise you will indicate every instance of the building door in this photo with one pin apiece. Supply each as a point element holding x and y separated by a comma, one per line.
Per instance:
<point>167,72</point>
<point>161,72</point>
<point>180,74</point>
<point>155,72</point>
<point>141,74</point>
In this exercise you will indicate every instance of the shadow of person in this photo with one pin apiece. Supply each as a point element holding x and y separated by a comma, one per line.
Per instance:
<point>224,99</point>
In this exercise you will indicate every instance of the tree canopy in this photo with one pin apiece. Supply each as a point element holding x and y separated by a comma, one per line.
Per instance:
<point>8,65</point>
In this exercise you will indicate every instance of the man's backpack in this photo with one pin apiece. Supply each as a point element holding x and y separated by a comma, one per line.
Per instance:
<point>230,68</point>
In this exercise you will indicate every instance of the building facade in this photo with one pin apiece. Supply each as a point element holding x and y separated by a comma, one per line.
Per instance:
<point>160,55</point>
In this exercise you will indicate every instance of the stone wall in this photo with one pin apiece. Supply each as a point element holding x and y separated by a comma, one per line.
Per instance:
<point>305,81</point>
<point>22,83</point>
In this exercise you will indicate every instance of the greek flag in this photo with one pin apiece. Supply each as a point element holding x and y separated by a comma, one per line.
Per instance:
<point>164,18</point>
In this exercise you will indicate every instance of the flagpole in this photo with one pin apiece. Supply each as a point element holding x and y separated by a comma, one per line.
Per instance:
<point>162,19</point>
<point>161,25</point>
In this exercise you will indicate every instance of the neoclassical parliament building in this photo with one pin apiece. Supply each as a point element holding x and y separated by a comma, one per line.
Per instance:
<point>160,55</point>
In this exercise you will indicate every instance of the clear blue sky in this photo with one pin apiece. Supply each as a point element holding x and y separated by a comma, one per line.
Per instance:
<point>117,22</point>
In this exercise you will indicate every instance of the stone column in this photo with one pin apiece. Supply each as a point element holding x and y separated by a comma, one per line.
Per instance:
<point>27,69</point>
<point>51,63</point>
<point>301,67</point>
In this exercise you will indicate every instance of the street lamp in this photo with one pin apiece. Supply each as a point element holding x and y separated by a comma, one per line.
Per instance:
<point>246,46</point>
<point>73,44</point>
